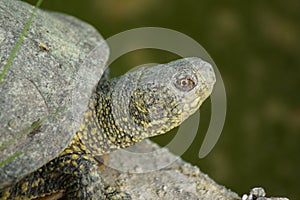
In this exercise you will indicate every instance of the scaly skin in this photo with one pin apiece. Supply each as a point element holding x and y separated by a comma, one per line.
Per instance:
<point>122,111</point>
<point>74,172</point>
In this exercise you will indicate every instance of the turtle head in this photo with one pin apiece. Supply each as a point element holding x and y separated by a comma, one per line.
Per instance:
<point>152,100</point>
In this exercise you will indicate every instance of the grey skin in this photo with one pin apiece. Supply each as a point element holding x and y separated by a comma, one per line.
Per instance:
<point>122,111</point>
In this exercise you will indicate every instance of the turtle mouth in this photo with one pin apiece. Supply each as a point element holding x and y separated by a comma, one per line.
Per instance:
<point>194,100</point>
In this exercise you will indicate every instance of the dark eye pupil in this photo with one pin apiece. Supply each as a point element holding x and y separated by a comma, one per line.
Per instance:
<point>184,82</point>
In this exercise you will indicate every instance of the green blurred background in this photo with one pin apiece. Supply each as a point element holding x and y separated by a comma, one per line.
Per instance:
<point>256,47</point>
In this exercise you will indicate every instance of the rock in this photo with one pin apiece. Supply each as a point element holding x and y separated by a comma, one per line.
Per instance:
<point>144,177</point>
<point>258,193</point>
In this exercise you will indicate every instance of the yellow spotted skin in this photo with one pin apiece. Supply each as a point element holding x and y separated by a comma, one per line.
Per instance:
<point>74,172</point>
<point>122,111</point>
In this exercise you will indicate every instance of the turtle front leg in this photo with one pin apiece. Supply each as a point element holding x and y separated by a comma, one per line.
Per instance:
<point>85,181</point>
<point>75,174</point>
<point>82,177</point>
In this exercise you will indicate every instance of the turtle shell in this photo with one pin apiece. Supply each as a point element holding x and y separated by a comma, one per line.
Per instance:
<point>45,92</point>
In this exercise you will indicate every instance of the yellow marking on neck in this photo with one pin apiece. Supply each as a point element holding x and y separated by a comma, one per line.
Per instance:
<point>74,156</point>
<point>24,187</point>
<point>5,194</point>
<point>37,182</point>
<point>74,164</point>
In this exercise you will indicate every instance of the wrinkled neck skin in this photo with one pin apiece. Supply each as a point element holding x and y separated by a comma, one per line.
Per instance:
<point>125,114</point>
<point>100,132</point>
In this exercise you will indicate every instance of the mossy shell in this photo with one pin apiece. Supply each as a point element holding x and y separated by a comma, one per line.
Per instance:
<point>50,80</point>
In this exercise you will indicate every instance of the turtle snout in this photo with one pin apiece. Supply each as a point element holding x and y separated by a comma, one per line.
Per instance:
<point>208,76</point>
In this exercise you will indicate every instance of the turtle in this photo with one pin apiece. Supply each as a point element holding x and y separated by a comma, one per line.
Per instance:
<point>53,130</point>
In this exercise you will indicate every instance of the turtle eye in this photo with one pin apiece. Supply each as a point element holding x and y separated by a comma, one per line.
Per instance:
<point>185,84</point>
